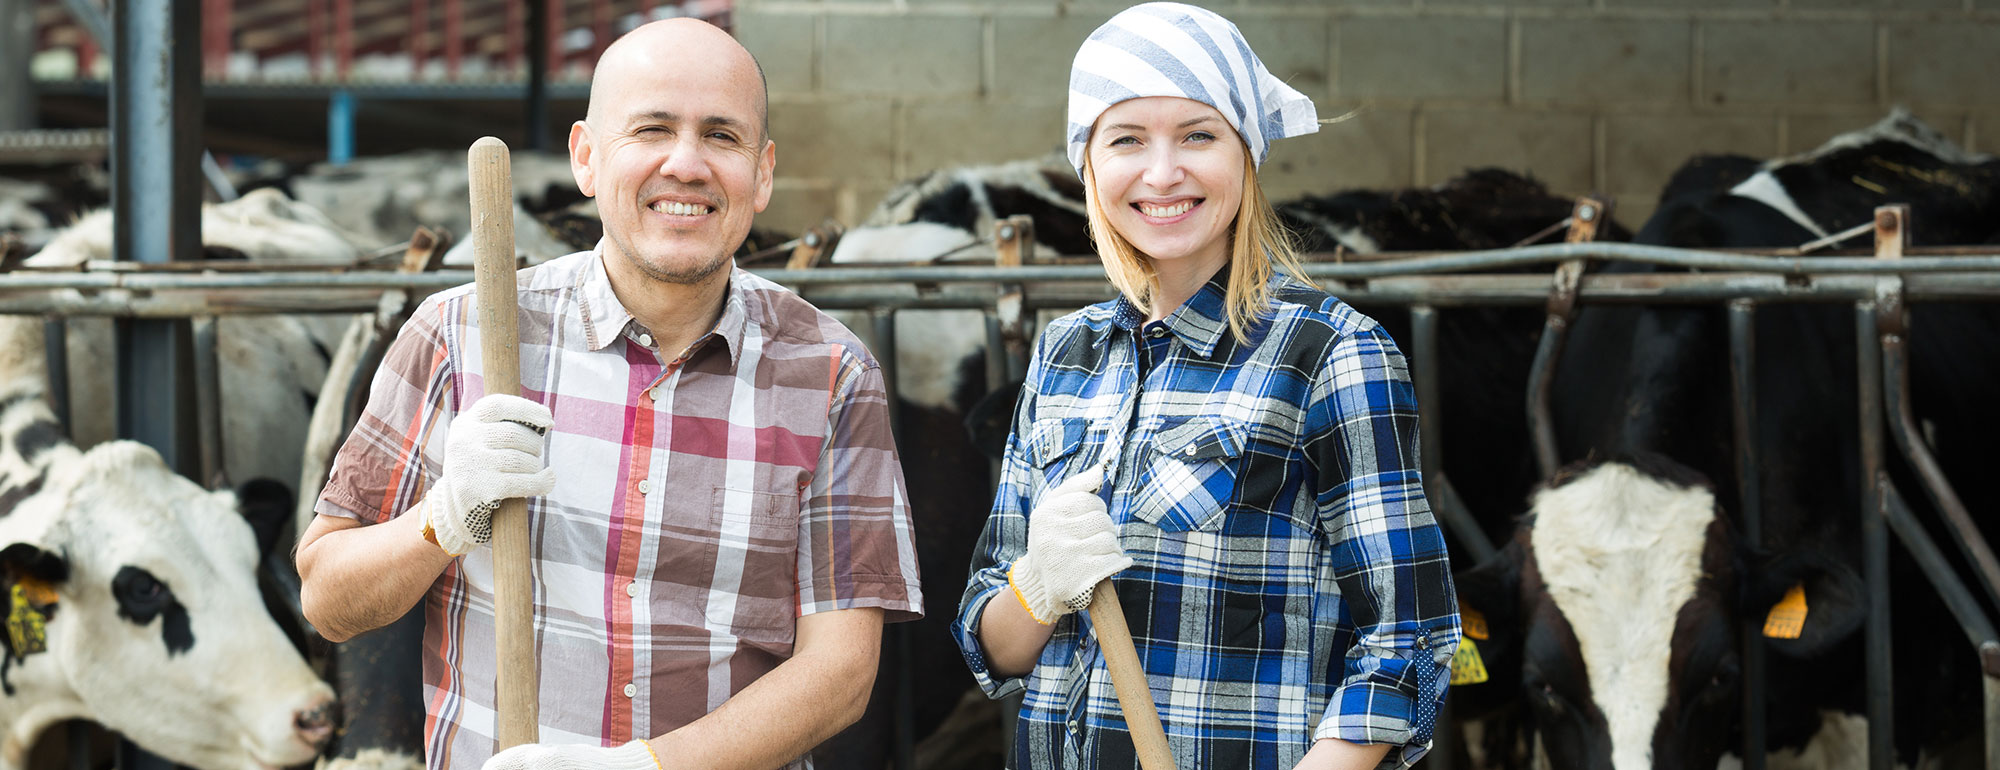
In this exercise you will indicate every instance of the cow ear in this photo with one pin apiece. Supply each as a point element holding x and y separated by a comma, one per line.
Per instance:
<point>1835,602</point>
<point>267,505</point>
<point>1489,602</point>
<point>30,564</point>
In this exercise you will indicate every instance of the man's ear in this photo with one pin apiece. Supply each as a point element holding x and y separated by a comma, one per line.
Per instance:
<point>767,165</point>
<point>579,159</point>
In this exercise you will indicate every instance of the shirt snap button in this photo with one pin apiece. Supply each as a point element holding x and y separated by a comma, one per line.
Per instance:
<point>1189,451</point>
<point>631,690</point>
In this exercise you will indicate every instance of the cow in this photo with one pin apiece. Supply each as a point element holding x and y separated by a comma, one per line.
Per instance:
<point>135,603</point>
<point>1616,609</point>
<point>941,377</point>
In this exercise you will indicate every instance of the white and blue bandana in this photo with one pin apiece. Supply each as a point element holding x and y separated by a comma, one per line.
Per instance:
<point>1170,49</point>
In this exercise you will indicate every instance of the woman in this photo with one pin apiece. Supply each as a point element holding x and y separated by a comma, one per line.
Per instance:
<point>1284,581</point>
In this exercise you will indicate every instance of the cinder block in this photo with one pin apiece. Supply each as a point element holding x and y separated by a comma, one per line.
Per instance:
<point>834,140</point>
<point>1573,60</point>
<point>859,198</point>
<point>1421,58</point>
<point>1031,56</point>
<point>1554,147</point>
<point>783,45</point>
<point>795,209</point>
<point>1804,133</point>
<point>1643,151</point>
<point>1792,61</point>
<point>911,55</point>
<point>956,133</point>
<point>1951,63</point>
<point>1693,5</point>
<point>1294,48</point>
<point>1880,5</point>
<point>1370,150</point>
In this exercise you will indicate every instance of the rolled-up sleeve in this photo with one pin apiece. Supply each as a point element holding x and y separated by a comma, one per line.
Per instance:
<point>856,546</point>
<point>1003,541</point>
<point>1388,555</point>
<point>394,452</point>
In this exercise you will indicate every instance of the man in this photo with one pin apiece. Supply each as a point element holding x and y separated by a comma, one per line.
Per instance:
<point>721,529</point>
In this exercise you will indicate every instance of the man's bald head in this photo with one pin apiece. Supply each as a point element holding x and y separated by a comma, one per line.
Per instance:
<point>674,45</point>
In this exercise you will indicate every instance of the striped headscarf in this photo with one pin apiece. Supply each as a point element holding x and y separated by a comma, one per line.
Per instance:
<point>1170,49</point>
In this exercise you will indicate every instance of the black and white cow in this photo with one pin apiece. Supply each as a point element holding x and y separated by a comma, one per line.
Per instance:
<point>941,367</point>
<point>1616,609</point>
<point>136,605</point>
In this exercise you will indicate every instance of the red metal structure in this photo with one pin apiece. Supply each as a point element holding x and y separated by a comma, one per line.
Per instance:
<point>393,40</point>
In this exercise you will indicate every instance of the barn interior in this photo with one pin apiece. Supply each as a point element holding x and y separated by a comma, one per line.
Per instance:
<point>880,107</point>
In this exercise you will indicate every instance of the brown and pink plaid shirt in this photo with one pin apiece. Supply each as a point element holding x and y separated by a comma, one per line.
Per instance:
<point>702,505</point>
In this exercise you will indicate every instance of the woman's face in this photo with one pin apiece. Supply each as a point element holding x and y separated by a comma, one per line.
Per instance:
<point>1169,175</point>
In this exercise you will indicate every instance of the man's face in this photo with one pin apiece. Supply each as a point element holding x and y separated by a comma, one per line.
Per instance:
<point>675,153</point>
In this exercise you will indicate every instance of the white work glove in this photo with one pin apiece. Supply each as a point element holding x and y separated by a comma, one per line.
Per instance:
<point>631,756</point>
<point>1072,546</point>
<point>494,453</point>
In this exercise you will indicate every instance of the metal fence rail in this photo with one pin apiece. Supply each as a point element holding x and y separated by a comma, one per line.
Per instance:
<point>1877,288</point>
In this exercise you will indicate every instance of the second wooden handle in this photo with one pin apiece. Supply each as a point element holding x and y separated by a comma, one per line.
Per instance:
<point>1128,678</point>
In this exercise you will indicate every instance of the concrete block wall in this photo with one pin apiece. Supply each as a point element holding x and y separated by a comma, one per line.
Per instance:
<point>1606,96</point>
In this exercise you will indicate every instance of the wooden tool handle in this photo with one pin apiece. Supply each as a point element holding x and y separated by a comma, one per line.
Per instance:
<point>518,686</point>
<point>1128,678</point>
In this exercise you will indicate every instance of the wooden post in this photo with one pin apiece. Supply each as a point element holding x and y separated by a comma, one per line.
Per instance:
<point>517,684</point>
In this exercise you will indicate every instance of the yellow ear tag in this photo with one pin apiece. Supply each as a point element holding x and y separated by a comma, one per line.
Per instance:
<point>1472,622</point>
<point>27,626</point>
<point>1466,667</point>
<point>1788,617</point>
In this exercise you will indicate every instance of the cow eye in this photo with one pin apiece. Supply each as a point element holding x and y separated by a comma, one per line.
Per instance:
<point>140,595</point>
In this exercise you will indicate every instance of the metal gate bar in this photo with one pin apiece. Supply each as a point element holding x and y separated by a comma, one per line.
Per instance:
<point>1743,388</point>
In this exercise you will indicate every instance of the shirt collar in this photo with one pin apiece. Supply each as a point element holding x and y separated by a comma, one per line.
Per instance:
<point>1199,323</point>
<point>605,318</point>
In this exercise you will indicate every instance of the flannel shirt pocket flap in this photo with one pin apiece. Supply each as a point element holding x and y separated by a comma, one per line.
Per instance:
<point>1202,437</point>
<point>1052,439</point>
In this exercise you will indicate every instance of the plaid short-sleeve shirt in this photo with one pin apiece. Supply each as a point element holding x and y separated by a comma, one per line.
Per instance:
<point>1288,582</point>
<point>702,504</point>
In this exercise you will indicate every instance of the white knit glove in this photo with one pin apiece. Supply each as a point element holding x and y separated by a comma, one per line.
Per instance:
<point>494,453</point>
<point>631,756</point>
<point>1072,546</point>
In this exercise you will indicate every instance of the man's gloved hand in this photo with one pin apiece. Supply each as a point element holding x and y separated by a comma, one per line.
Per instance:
<point>1072,545</point>
<point>494,453</point>
<point>631,756</point>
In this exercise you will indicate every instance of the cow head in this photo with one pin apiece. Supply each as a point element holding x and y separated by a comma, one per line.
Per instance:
<point>1617,614</point>
<point>153,625</point>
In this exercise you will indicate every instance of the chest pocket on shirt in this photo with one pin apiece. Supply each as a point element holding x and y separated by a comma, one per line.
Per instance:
<point>1053,439</point>
<point>757,537</point>
<point>1188,477</point>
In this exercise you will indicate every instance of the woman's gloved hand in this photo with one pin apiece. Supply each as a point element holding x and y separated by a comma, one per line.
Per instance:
<point>635,755</point>
<point>494,453</point>
<point>1072,546</point>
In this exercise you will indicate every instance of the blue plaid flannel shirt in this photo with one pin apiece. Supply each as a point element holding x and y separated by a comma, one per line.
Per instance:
<point>1289,583</point>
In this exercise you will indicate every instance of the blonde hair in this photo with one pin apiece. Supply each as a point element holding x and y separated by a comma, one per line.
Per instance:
<point>1258,242</point>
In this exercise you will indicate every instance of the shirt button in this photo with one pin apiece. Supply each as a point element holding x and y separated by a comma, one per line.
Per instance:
<point>1189,451</point>
<point>632,588</point>
<point>1073,726</point>
<point>1159,331</point>
<point>646,339</point>
<point>631,690</point>
<point>645,486</point>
